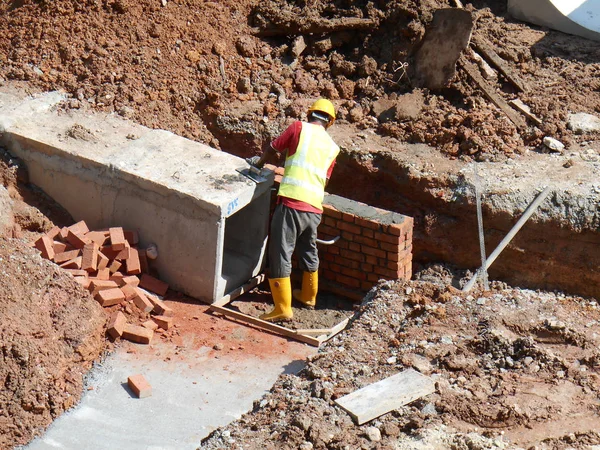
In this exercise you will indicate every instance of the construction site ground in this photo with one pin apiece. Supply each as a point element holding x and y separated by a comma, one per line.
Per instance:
<point>514,367</point>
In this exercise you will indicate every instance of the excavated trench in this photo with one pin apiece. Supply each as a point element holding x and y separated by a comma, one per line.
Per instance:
<point>557,249</point>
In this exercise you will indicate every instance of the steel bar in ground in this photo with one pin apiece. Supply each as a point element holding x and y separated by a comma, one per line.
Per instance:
<point>511,234</point>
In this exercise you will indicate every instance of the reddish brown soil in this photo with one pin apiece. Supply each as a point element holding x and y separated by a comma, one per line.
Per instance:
<point>168,70</point>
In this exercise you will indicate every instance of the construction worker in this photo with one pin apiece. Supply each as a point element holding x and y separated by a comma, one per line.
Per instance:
<point>309,161</point>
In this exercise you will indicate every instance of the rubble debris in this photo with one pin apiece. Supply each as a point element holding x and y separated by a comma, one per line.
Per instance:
<point>526,110</point>
<point>485,48</point>
<point>582,123</point>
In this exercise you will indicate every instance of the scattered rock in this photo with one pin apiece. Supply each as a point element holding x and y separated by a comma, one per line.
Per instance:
<point>373,434</point>
<point>246,46</point>
<point>218,347</point>
<point>298,46</point>
<point>583,123</point>
<point>554,144</point>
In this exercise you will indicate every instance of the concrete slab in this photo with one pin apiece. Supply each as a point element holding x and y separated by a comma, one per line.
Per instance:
<point>578,17</point>
<point>195,389</point>
<point>179,194</point>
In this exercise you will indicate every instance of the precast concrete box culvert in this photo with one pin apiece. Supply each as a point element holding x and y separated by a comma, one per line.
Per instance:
<point>209,222</point>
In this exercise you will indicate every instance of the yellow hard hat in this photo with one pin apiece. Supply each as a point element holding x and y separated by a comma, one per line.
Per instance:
<point>325,106</point>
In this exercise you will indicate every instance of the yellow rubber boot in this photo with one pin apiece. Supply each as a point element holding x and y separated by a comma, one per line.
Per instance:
<point>310,285</point>
<point>281,290</point>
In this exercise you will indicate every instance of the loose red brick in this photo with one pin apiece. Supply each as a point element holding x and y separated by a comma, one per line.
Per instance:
<point>76,240</point>
<point>373,252</point>
<point>54,231</point>
<point>117,238</point>
<point>45,245</point>
<point>153,284</point>
<point>150,324</point>
<point>66,256</point>
<point>132,237</point>
<point>97,285</point>
<point>160,307</point>
<point>109,252</point>
<point>349,227</point>
<point>80,228</point>
<point>59,247</point>
<point>116,324</point>
<point>103,274</point>
<point>89,257</point>
<point>163,322</point>
<point>117,277</point>
<point>99,237</point>
<point>132,280</point>
<point>137,334</point>
<point>141,301</point>
<point>64,231</point>
<point>84,281</point>
<point>77,272</point>
<point>110,297</point>
<point>74,263</point>
<point>366,223</point>
<point>125,253</point>
<point>143,261</point>
<point>133,262</point>
<point>140,387</point>
<point>114,266</point>
<point>129,291</point>
<point>102,261</point>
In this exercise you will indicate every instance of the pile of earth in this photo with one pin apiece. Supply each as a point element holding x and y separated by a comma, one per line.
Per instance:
<point>513,369</point>
<point>159,63</point>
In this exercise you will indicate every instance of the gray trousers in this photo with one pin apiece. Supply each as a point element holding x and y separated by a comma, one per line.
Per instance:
<point>292,229</point>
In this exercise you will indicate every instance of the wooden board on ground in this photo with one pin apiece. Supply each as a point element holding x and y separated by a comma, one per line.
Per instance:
<point>386,395</point>
<point>445,39</point>
<point>306,336</point>
<point>251,284</point>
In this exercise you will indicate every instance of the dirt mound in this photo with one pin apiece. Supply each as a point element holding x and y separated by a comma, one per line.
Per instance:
<point>513,368</point>
<point>167,71</point>
<point>51,332</point>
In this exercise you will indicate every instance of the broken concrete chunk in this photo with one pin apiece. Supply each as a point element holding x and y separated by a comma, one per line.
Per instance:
<point>298,46</point>
<point>554,144</point>
<point>583,123</point>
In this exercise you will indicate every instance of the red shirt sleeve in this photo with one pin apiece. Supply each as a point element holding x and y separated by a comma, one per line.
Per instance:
<point>330,169</point>
<point>289,139</point>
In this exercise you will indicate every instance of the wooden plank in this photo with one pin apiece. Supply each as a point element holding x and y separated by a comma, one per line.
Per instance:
<point>265,325</point>
<point>489,92</point>
<point>314,331</point>
<point>337,329</point>
<point>522,107</point>
<point>485,48</point>
<point>386,395</point>
<point>251,284</point>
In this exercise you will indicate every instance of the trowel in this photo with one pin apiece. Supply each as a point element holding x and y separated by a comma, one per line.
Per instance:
<point>253,173</point>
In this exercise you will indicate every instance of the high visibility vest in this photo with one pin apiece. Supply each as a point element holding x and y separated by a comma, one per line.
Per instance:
<point>306,170</point>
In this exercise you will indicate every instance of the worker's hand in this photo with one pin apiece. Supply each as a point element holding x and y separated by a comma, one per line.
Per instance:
<point>255,162</point>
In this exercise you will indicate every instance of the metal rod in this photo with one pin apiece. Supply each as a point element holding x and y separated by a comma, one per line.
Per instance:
<point>511,234</point>
<point>480,226</point>
<point>333,241</point>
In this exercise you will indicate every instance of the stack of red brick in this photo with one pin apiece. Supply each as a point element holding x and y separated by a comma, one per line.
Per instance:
<point>115,271</point>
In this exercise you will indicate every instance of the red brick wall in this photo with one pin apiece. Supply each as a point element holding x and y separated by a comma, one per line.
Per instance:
<point>369,249</point>
<point>374,244</point>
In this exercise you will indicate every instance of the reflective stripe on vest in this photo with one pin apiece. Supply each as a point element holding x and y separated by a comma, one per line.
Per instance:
<point>306,170</point>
